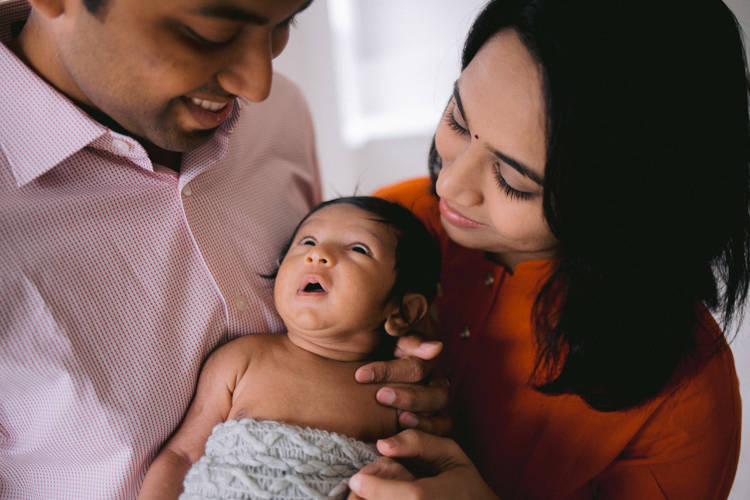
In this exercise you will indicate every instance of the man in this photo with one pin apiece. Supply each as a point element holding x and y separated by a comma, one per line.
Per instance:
<point>149,175</point>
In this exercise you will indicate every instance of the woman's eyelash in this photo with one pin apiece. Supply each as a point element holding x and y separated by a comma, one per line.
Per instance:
<point>511,192</point>
<point>452,123</point>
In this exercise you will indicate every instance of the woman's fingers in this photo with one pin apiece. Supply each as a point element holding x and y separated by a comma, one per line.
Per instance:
<point>384,468</point>
<point>407,370</point>
<point>434,424</point>
<point>414,363</point>
<point>414,398</point>
<point>366,487</point>
<point>441,454</point>
<point>452,475</point>
<point>387,468</point>
<point>415,345</point>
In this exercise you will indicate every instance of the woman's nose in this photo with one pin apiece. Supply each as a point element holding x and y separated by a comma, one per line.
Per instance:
<point>462,180</point>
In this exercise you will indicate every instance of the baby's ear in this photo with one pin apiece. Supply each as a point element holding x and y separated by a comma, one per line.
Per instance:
<point>415,307</point>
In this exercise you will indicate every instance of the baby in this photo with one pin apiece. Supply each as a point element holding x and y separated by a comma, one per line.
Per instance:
<point>288,418</point>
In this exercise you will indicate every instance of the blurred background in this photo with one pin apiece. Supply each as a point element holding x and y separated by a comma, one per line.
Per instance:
<point>378,74</point>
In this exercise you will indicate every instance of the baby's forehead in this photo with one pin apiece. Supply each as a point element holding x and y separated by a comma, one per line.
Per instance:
<point>345,217</point>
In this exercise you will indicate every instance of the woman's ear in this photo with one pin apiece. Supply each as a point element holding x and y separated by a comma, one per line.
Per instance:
<point>414,308</point>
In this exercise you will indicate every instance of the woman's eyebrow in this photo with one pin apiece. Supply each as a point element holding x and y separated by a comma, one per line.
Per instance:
<point>515,164</point>
<point>457,97</point>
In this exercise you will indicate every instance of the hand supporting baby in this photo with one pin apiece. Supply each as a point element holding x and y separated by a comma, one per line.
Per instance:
<point>450,473</point>
<point>418,405</point>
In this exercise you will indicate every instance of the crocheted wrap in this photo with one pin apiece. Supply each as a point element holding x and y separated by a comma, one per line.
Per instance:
<point>252,459</point>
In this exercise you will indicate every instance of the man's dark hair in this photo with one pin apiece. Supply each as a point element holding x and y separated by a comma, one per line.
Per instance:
<point>646,184</point>
<point>417,252</point>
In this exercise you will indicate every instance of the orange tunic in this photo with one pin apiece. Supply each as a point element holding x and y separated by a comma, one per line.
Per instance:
<point>683,444</point>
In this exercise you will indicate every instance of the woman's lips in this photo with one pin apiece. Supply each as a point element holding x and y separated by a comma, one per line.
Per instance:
<point>456,219</point>
<point>208,114</point>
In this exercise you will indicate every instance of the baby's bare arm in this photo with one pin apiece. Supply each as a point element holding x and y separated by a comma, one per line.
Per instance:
<point>211,405</point>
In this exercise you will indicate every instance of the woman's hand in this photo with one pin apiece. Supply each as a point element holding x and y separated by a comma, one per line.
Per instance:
<point>418,404</point>
<point>451,473</point>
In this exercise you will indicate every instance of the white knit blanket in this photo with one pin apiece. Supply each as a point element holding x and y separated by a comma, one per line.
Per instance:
<point>249,459</point>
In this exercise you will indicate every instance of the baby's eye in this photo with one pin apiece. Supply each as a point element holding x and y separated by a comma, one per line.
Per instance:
<point>307,241</point>
<point>360,248</point>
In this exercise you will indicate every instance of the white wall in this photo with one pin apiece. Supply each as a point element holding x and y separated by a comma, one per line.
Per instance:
<point>308,60</point>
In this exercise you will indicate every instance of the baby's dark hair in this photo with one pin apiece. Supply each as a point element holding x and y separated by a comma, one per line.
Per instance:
<point>417,252</point>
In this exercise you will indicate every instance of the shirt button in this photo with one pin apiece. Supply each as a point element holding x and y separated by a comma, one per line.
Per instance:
<point>241,303</point>
<point>464,333</point>
<point>121,145</point>
<point>186,191</point>
<point>489,280</point>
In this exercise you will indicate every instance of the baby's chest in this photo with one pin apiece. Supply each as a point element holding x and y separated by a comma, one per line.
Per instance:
<point>328,399</point>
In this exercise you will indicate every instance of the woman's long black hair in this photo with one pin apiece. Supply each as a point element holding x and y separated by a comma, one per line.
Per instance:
<point>647,184</point>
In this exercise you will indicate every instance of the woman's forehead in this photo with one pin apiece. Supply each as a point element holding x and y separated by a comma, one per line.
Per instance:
<point>503,98</point>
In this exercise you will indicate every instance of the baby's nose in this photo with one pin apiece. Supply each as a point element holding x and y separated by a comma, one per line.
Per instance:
<point>316,259</point>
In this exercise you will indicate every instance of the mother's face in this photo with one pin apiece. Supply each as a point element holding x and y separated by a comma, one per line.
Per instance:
<point>492,142</point>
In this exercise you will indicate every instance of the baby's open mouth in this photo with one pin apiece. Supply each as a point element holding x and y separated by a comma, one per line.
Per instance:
<point>311,283</point>
<point>313,287</point>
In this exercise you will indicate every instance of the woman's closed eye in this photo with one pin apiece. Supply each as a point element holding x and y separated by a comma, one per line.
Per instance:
<point>513,194</point>
<point>453,122</point>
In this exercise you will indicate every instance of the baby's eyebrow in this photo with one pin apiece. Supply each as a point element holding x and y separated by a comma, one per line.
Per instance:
<point>374,235</point>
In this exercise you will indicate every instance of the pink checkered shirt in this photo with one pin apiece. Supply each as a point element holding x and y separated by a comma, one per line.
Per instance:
<point>118,277</point>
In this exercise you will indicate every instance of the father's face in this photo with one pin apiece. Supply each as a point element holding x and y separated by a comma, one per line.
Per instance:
<point>169,70</point>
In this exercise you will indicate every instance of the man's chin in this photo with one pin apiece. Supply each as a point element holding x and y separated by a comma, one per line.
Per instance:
<point>184,141</point>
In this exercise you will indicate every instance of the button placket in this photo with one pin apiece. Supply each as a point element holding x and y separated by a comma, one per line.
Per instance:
<point>121,145</point>
<point>241,303</point>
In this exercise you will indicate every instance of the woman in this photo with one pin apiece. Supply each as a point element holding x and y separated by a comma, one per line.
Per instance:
<point>592,183</point>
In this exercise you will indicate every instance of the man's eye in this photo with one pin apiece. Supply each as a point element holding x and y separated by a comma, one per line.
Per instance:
<point>202,42</point>
<point>307,241</point>
<point>289,23</point>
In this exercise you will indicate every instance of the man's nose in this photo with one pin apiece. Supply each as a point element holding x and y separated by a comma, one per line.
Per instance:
<point>249,72</point>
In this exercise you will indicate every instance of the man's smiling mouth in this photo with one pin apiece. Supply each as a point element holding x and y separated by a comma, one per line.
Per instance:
<point>208,105</point>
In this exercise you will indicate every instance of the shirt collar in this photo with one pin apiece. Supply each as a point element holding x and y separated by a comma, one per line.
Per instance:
<point>40,127</point>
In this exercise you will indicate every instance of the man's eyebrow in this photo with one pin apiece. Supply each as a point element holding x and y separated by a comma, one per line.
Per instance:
<point>234,13</point>
<point>515,164</point>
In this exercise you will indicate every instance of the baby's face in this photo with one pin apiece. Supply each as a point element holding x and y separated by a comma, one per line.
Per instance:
<point>333,283</point>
